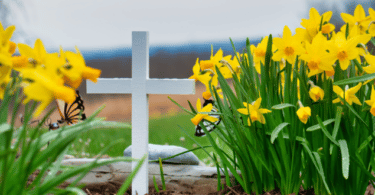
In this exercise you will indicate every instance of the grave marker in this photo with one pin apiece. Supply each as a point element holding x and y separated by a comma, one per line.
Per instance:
<point>140,85</point>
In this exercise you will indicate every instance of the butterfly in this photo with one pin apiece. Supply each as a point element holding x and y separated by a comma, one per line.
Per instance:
<point>72,112</point>
<point>209,125</point>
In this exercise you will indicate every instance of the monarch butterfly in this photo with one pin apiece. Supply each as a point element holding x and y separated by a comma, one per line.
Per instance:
<point>209,125</point>
<point>71,114</point>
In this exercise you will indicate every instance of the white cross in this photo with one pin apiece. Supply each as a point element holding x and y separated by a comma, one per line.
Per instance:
<point>140,86</point>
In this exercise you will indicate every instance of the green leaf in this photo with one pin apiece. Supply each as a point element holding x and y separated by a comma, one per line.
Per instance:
<point>317,126</point>
<point>4,128</point>
<point>277,130</point>
<point>320,170</point>
<point>129,179</point>
<point>345,158</point>
<point>325,131</point>
<point>337,125</point>
<point>355,79</point>
<point>184,109</point>
<point>155,184</point>
<point>282,106</point>
<point>162,174</point>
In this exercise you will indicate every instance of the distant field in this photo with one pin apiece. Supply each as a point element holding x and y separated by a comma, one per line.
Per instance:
<point>163,130</point>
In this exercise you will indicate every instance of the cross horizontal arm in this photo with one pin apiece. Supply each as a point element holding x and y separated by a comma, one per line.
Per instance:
<point>170,86</point>
<point>110,86</point>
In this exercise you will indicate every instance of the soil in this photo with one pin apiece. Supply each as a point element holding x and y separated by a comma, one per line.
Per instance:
<point>111,188</point>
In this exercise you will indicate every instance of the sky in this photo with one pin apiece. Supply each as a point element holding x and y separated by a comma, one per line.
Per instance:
<point>109,23</point>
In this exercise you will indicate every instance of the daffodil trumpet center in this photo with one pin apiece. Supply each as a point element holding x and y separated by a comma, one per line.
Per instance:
<point>342,55</point>
<point>289,51</point>
<point>313,65</point>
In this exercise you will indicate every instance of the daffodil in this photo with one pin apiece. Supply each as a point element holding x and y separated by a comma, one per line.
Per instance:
<point>371,61</point>
<point>75,69</point>
<point>316,93</point>
<point>35,56</point>
<point>225,67</point>
<point>349,94</point>
<point>358,19</point>
<point>44,85</point>
<point>235,64</point>
<point>287,47</point>
<point>199,117</point>
<point>371,28</point>
<point>312,25</point>
<point>213,61</point>
<point>256,113</point>
<point>342,49</point>
<point>362,39</point>
<point>371,102</point>
<point>303,113</point>
<point>5,72</point>
<point>197,75</point>
<point>259,53</point>
<point>6,45</point>
<point>5,35</point>
<point>316,56</point>
<point>214,84</point>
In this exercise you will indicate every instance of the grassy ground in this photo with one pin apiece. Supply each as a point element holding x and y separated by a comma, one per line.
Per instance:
<point>163,130</point>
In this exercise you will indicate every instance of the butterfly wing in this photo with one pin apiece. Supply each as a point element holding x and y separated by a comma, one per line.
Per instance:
<point>209,125</point>
<point>72,112</point>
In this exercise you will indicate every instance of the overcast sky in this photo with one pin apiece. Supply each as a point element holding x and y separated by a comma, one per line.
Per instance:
<point>108,23</point>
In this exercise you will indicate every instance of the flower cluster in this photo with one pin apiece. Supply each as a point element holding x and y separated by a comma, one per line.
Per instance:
<point>315,46</point>
<point>45,76</point>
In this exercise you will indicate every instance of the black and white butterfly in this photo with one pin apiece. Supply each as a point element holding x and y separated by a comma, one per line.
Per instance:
<point>72,112</point>
<point>209,125</point>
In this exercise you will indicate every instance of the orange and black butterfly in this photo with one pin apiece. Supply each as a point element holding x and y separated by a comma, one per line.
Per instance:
<point>72,113</point>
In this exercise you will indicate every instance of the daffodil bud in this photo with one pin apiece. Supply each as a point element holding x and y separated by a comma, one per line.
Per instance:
<point>316,93</point>
<point>303,113</point>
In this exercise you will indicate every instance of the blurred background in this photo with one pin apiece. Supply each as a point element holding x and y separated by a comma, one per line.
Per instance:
<point>180,32</point>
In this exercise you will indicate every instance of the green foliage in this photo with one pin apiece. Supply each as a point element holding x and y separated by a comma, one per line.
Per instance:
<point>24,151</point>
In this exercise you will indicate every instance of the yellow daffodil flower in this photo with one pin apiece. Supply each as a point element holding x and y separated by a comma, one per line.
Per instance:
<point>303,113</point>
<point>213,61</point>
<point>253,110</point>
<point>370,59</point>
<point>342,49</point>
<point>312,25</point>
<point>41,86</point>
<point>371,28</point>
<point>316,93</point>
<point>5,35</point>
<point>371,102</point>
<point>6,45</point>
<point>358,19</point>
<point>225,67</point>
<point>287,47</point>
<point>199,117</point>
<point>5,72</point>
<point>235,64</point>
<point>197,76</point>
<point>317,57</point>
<point>76,69</point>
<point>349,94</point>
<point>36,56</point>
<point>207,94</point>
<point>259,53</point>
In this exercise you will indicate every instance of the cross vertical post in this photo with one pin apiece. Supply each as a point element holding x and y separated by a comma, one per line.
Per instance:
<point>140,67</point>
<point>140,85</point>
